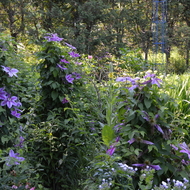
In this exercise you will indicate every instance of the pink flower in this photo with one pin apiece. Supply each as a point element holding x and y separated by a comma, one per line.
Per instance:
<point>33,188</point>
<point>14,187</point>
<point>90,56</point>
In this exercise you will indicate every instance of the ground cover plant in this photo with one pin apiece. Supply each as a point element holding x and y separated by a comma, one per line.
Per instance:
<point>79,124</point>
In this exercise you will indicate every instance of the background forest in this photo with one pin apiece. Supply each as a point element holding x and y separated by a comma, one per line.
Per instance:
<point>95,27</point>
<point>84,105</point>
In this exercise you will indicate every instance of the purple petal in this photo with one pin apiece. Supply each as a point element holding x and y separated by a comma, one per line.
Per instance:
<point>133,87</point>
<point>11,153</point>
<point>61,67</point>
<point>145,116</point>
<point>131,141</point>
<point>69,45</point>
<point>156,81</point>
<point>69,78</point>
<point>111,150</point>
<point>73,54</point>
<point>64,61</point>
<point>64,101</point>
<point>147,142</point>
<point>159,128</point>
<point>151,75</point>
<point>174,147</point>
<point>156,167</point>
<point>139,165</point>
<point>121,79</point>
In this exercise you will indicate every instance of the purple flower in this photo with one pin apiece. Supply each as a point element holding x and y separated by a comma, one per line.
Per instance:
<point>117,127</point>
<point>111,150</point>
<point>133,82</point>
<point>152,121</point>
<point>78,63</point>
<point>9,71</point>
<point>20,142</point>
<point>73,54</point>
<point>69,45</point>
<point>76,75</point>
<point>69,78</point>
<point>156,167</point>
<point>9,101</point>
<point>64,61</point>
<point>185,149</point>
<point>61,67</point>
<point>64,101</point>
<point>153,79</point>
<point>140,140</point>
<point>2,94</point>
<point>174,147</point>
<point>14,155</point>
<point>121,79</point>
<point>53,37</point>
<point>15,113</point>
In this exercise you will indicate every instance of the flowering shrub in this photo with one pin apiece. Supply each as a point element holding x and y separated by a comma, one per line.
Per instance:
<point>58,133</point>
<point>15,172</point>
<point>139,133</point>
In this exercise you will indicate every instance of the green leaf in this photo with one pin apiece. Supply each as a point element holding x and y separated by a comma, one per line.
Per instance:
<point>147,103</point>
<point>107,134</point>
<point>1,109</point>
<point>4,139</point>
<point>55,73</point>
<point>54,95</point>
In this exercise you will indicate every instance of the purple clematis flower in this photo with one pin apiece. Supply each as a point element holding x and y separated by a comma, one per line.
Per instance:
<point>69,45</point>
<point>111,150</point>
<point>185,149</point>
<point>9,101</point>
<point>152,122</point>
<point>9,71</point>
<point>53,37</point>
<point>153,79</point>
<point>2,94</point>
<point>61,67</point>
<point>64,61</point>
<point>69,78</point>
<point>73,54</point>
<point>76,75</point>
<point>64,101</point>
<point>133,82</point>
<point>14,155</point>
<point>15,113</point>
<point>156,167</point>
<point>142,141</point>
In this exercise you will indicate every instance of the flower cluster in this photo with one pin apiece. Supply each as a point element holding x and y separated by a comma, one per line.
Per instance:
<point>106,184</point>
<point>12,102</point>
<point>69,77</point>
<point>173,184</point>
<point>130,170</point>
<point>135,83</point>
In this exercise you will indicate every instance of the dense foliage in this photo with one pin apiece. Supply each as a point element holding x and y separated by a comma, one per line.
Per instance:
<point>85,110</point>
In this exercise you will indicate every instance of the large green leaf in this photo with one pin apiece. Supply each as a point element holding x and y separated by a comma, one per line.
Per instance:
<point>107,134</point>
